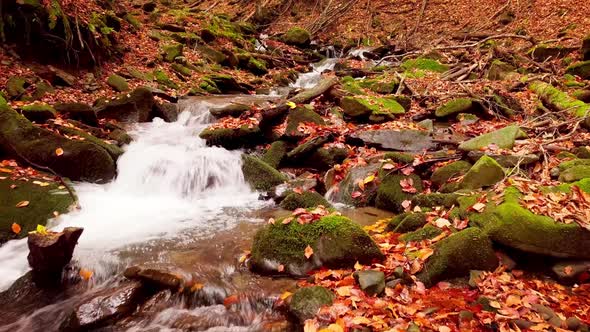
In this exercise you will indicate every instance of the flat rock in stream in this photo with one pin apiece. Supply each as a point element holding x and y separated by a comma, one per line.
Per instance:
<point>160,277</point>
<point>399,140</point>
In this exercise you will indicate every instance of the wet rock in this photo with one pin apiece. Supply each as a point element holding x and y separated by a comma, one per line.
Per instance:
<point>233,110</point>
<point>120,136</point>
<point>305,182</point>
<point>162,94</point>
<point>581,69</point>
<point>307,199</point>
<point>228,84</point>
<point>337,242</point>
<point>165,111</point>
<point>372,282</point>
<point>157,277</point>
<point>456,106</point>
<point>435,199</point>
<point>373,109</point>
<point>232,138</point>
<point>132,107</point>
<point>301,115</point>
<point>484,173</point>
<point>455,256</point>
<point>38,113</point>
<point>80,161</point>
<point>78,111</point>
<point>297,37</point>
<point>275,154</point>
<point>259,174</point>
<point>118,83</point>
<point>50,252</point>
<point>399,140</point>
<point>391,194</point>
<point>104,307</point>
<point>324,158</point>
<point>349,185</point>
<point>309,147</point>
<point>306,302</point>
<point>503,138</point>
<point>113,150</point>
<point>506,160</point>
<point>443,174</point>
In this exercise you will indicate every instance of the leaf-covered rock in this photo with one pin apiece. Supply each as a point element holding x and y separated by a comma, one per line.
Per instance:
<point>307,199</point>
<point>306,302</point>
<point>38,112</point>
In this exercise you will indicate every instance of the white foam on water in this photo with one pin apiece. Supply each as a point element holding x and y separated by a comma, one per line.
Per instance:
<point>311,79</point>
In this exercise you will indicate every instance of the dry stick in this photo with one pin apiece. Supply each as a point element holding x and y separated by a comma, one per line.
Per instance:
<point>422,10</point>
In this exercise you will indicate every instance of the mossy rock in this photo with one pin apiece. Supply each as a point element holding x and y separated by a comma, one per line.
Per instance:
<point>297,37</point>
<point>307,199</point>
<point>43,201</point>
<point>260,175</point>
<point>575,173</point>
<point>582,95</point>
<point>390,194</point>
<point>545,52</point>
<point>506,160</point>
<point>298,116</point>
<point>275,154</point>
<point>80,161</point>
<point>503,138</point>
<point>581,69</point>
<point>350,85</point>
<point>118,83</point>
<point>455,256</point>
<point>233,110</point>
<point>181,70</point>
<point>128,107</point>
<point>559,100</point>
<point>324,158</point>
<point>131,19</point>
<point>232,138</point>
<point>38,112</point>
<point>425,233</point>
<point>423,64</point>
<point>456,106</point>
<point>114,151</point>
<point>225,84</point>
<point>571,163</point>
<point>500,70</point>
<point>443,174</point>
<point>400,157</point>
<point>585,50</point>
<point>349,185</point>
<point>212,55</point>
<point>484,173</point>
<point>15,87</point>
<point>171,52</point>
<point>79,112</point>
<point>41,89</point>
<point>407,222</point>
<point>435,199</point>
<point>514,226</point>
<point>337,242</point>
<point>371,108</point>
<point>306,302</point>
<point>304,150</point>
<point>120,136</point>
<point>162,78</point>
<point>256,66</point>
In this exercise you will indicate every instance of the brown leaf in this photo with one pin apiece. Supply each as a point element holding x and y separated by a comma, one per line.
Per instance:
<point>22,204</point>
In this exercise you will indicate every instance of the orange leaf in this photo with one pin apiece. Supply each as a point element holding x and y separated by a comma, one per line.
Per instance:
<point>197,286</point>
<point>281,268</point>
<point>308,251</point>
<point>22,204</point>
<point>298,190</point>
<point>86,274</point>
<point>15,228</point>
<point>232,299</point>
<point>5,170</point>
<point>59,151</point>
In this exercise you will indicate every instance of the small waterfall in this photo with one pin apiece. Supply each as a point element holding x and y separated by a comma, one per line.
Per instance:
<point>311,79</point>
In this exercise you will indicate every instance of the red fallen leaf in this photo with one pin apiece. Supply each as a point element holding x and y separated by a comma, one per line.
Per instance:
<point>568,270</point>
<point>407,185</point>
<point>299,211</point>
<point>407,170</point>
<point>406,204</point>
<point>287,220</point>
<point>232,299</point>
<point>281,268</point>
<point>298,190</point>
<point>356,194</point>
<point>460,223</point>
<point>305,218</point>
<point>15,228</point>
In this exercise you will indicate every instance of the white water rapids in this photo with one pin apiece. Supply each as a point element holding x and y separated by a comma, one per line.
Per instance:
<point>168,182</point>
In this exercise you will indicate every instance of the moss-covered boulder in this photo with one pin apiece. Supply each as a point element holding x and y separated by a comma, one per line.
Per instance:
<point>392,139</point>
<point>301,115</point>
<point>443,174</point>
<point>44,199</point>
<point>163,80</point>
<point>118,83</point>
<point>391,194</point>
<point>260,175</point>
<point>456,106</point>
<point>78,111</point>
<point>307,199</point>
<point>575,173</point>
<point>417,67</point>
<point>544,52</point>
<point>38,112</point>
<point>297,37</point>
<point>407,222</point>
<point>432,200</point>
<point>306,149</point>
<point>581,69</point>
<point>560,100</point>
<point>371,108</point>
<point>226,84</point>
<point>514,226</point>
<point>455,256</point>
<point>80,160</point>
<point>181,70</point>
<point>349,185</point>
<point>15,87</point>
<point>275,153</point>
<point>171,52</point>
<point>337,242</point>
<point>503,138</point>
<point>506,160</point>
<point>306,302</point>
<point>324,158</point>
<point>500,70</point>
<point>212,55</point>
<point>233,110</point>
<point>113,150</point>
<point>232,138</point>
<point>425,233</point>
<point>129,107</point>
<point>484,173</point>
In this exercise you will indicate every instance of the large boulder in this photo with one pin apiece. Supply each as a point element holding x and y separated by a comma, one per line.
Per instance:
<point>391,192</point>
<point>337,242</point>
<point>443,174</point>
<point>389,139</point>
<point>131,107</point>
<point>79,112</point>
<point>275,153</point>
<point>38,112</point>
<point>457,255</point>
<point>372,109</point>
<point>502,138</point>
<point>485,172</point>
<point>50,252</point>
<point>260,175</point>
<point>75,159</point>
<point>301,115</point>
<point>232,138</point>
<point>561,101</point>
<point>297,37</point>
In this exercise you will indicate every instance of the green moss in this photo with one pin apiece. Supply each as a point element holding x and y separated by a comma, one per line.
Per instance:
<point>297,36</point>
<point>337,242</point>
<point>390,194</point>
<point>424,64</point>
<point>182,70</point>
<point>118,83</point>
<point>212,55</point>
<point>221,27</point>
<point>559,100</point>
<point>298,116</point>
<point>131,19</point>
<point>500,70</point>
<point>306,302</point>
<point>232,138</point>
<point>114,151</point>
<point>575,173</point>
<point>457,255</point>
<point>571,163</point>
<point>442,174</point>
<point>43,201</point>
<point>257,67</point>
<point>350,85</point>
<point>400,157</point>
<point>38,112</point>
<point>407,222</point>
<point>455,106</point>
<point>171,52</point>
<point>485,172</point>
<point>425,233</point>
<point>164,80</point>
<point>376,109</point>
<point>307,199</point>
<point>434,200</point>
<point>581,69</point>
<point>503,138</point>
<point>15,86</point>
<point>260,175</point>
<point>275,154</point>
